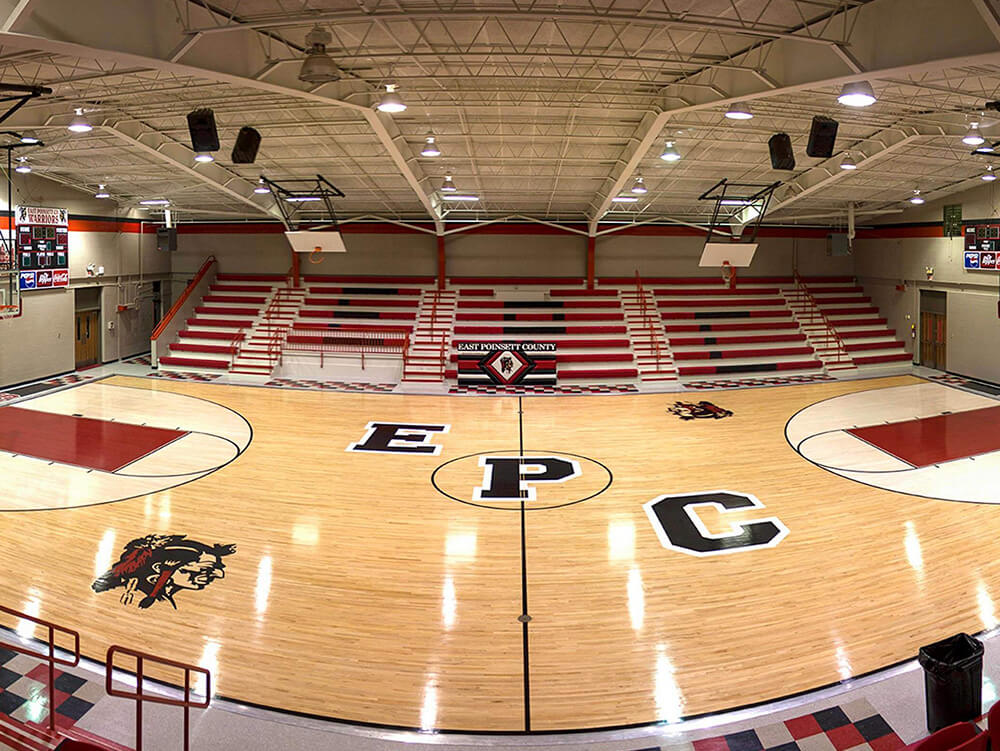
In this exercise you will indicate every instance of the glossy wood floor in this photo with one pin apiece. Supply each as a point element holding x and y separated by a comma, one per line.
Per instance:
<point>359,591</point>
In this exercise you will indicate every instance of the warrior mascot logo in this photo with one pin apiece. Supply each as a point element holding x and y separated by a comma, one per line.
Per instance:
<point>159,566</point>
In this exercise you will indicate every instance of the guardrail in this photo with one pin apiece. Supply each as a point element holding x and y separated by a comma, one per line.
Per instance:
<point>139,696</point>
<point>358,340</point>
<point>816,315</point>
<point>647,319</point>
<point>167,323</point>
<point>50,657</point>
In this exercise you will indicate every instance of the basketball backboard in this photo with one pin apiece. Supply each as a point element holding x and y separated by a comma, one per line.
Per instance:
<point>316,242</point>
<point>731,253</point>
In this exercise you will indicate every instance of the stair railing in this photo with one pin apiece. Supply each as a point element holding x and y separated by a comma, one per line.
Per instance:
<point>817,316</point>
<point>139,696</point>
<point>49,656</point>
<point>647,319</point>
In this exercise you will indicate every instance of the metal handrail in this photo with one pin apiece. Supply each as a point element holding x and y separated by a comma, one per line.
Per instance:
<point>139,697</point>
<point>817,313</point>
<point>647,318</point>
<point>165,321</point>
<point>51,657</point>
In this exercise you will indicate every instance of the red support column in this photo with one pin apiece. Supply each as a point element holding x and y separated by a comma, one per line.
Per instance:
<point>441,261</point>
<point>591,247</point>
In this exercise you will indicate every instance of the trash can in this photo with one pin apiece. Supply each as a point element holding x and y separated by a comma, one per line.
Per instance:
<point>953,680</point>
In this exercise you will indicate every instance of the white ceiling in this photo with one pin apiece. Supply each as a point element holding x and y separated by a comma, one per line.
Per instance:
<point>543,109</point>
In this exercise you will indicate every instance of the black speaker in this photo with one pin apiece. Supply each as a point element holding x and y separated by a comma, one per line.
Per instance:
<point>166,239</point>
<point>822,137</point>
<point>247,143</point>
<point>201,125</point>
<point>780,146</point>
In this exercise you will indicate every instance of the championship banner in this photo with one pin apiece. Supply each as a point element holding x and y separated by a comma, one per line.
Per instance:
<point>42,244</point>
<point>506,363</point>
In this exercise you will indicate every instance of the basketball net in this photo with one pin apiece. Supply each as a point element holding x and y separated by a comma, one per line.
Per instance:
<point>316,257</point>
<point>729,274</point>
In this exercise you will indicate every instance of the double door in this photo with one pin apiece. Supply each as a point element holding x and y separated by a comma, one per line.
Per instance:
<point>88,325</point>
<point>933,340</point>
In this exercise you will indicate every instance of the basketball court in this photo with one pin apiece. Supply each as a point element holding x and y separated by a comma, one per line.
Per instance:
<point>386,548</point>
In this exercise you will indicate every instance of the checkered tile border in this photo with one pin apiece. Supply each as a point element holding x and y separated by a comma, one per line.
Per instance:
<point>949,379</point>
<point>52,383</point>
<point>291,383</point>
<point>24,698</point>
<point>138,360</point>
<point>491,389</point>
<point>179,376</point>
<point>739,383</point>
<point>855,726</point>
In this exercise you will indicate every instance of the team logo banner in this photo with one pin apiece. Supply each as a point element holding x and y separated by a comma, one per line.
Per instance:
<point>42,215</point>
<point>507,363</point>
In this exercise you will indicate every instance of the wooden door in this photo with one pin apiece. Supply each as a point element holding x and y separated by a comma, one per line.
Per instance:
<point>933,340</point>
<point>87,335</point>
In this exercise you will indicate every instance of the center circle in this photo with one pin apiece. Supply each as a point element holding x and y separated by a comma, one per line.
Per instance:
<point>563,479</point>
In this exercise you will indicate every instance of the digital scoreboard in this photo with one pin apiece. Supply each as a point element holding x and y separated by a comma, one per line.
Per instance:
<point>41,242</point>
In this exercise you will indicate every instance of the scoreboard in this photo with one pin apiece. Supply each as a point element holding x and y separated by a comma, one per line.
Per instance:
<point>41,242</point>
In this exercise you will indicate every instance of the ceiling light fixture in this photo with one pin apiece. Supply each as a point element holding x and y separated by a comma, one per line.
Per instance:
<point>30,140</point>
<point>989,176</point>
<point>318,67</point>
<point>448,186</point>
<point>101,192</point>
<point>79,124</point>
<point>670,153</point>
<point>848,162</point>
<point>639,186</point>
<point>974,137</point>
<point>430,148</point>
<point>624,199</point>
<point>460,197</point>
<point>155,202</point>
<point>917,199</point>
<point>739,111</point>
<point>23,166</point>
<point>261,187</point>
<point>390,102</point>
<point>857,94</point>
<point>204,156</point>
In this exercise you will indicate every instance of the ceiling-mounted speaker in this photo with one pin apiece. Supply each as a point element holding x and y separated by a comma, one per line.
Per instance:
<point>247,143</point>
<point>822,137</point>
<point>780,146</point>
<point>201,125</point>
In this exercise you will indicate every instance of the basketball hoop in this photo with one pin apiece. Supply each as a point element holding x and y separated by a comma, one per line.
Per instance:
<point>316,257</point>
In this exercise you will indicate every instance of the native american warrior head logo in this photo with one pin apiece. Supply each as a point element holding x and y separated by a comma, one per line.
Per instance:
<point>160,566</point>
<point>699,410</point>
<point>506,364</point>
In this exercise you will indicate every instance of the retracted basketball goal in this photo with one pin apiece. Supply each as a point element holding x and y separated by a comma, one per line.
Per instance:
<point>737,206</point>
<point>309,202</point>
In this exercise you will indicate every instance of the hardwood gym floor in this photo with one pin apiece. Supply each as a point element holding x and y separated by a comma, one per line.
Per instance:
<point>385,586</point>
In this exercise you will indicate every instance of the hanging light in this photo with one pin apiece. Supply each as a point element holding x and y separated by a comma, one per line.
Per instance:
<point>30,140</point>
<point>848,162</point>
<point>390,101</point>
<point>670,154</point>
<point>857,94</point>
<point>318,67</point>
<point>624,199</point>
<point>639,186</point>
<point>261,187</point>
<point>101,192</point>
<point>460,197</point>
<point>23,166</point>
<point>79,124</point>
<point>204,156</point>
<point>448,186</point>
<point>989,176</point>
<point>974,137</point>
<point>430,148</point>
<point>739,111</point>
<point>155,202</point>
<point>917,199</point>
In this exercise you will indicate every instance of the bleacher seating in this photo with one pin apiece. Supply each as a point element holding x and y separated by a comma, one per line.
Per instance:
<point>587,326</point>
<point>748,329</point>
<point>858,322</point>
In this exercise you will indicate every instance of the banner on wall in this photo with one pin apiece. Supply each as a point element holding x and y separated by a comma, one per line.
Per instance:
<point>506,363</point>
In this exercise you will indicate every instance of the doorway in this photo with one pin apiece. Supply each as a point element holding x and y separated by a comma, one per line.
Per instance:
<point>933,329</point>
<point>87,326</point>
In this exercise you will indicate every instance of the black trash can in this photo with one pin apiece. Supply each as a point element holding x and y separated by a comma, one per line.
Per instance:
<point>953,680</point>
